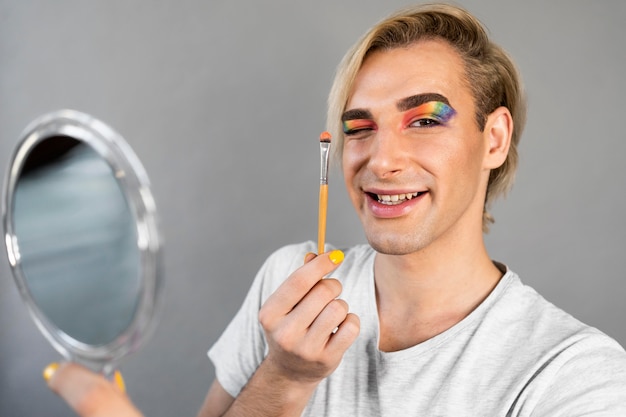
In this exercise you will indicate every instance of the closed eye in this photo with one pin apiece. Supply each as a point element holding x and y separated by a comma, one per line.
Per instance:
<point>354,132</point>
<point>355,127</point>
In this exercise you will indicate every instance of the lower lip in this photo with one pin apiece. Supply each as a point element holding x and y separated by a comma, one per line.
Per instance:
<point>387,211</point>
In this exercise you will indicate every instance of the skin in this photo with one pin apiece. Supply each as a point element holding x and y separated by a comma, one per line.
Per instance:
<point>298,320</point>
<point>89,394</point>
<point>431,269</point>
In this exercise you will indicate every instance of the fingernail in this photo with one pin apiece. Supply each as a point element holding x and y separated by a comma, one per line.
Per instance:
<point>336,256</point>
<point>50,370</point>
<point>119,381</point>
<point>307,256</point>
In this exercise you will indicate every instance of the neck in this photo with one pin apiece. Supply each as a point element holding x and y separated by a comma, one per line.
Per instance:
<point>430,290</point>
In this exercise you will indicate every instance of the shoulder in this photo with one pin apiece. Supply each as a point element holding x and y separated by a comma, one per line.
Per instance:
<point>526,309</point>
<point>584,373</point>
<point>568,364</point>
<point>543,332</point>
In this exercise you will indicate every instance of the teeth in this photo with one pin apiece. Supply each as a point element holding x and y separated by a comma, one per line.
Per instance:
<point>395,198</point>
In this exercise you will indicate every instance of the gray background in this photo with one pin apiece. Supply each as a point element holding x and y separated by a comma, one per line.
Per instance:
<point>224,101</point>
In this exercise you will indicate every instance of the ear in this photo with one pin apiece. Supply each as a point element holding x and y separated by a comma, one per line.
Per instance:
<point>497,135</point>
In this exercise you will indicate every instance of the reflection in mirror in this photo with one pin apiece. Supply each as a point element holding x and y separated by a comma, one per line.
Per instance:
<point>77,241</point>
<point>81,236</point>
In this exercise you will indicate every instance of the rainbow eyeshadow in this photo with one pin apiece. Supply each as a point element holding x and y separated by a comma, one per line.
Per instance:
<point>436,110</point>
<point>356,124</point>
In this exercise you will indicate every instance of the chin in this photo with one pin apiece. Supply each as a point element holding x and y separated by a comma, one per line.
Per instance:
<point>396,245</point>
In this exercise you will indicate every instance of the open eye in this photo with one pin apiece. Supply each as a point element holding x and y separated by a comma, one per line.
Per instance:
<point>425,122</point>
<point>429,115</point>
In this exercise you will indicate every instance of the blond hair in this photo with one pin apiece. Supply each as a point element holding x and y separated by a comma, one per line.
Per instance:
<point>490,74</point>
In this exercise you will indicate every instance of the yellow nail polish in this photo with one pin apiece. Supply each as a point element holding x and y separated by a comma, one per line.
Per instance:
<point>119,381</point>
<point>336,256</point>
<point>50,370</point>
<point>307,256</point>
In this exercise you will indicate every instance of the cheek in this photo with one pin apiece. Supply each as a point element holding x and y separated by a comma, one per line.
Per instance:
<point>452,161</point>
<point>465,169</point>
<point>435,155</point>
<point>352,158</point>
<point>473,154</point>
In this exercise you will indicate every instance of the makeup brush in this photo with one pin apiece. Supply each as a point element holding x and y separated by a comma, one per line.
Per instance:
<point>323,202</point>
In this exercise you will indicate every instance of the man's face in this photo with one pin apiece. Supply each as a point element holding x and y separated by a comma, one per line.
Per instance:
<point>413,154</point>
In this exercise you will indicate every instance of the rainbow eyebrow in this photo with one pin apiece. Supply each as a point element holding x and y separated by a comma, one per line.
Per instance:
<point>441,111</point>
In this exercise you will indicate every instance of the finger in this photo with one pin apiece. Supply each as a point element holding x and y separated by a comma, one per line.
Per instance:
<point>65,376</point>
<point>299,283</point>
<point>88,393</point>
<point>346,334</point>
<point>328,320</point>
<point>62,378</point>
<point>77,385</point>
<point>309,257</point>
<point>119,381</point>
<point>314,302</point>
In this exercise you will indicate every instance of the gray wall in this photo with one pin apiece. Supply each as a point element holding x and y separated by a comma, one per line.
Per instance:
<point>224,101</point>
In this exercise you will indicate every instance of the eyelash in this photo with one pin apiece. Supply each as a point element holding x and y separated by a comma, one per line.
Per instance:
<point>356,131</point>
<point>360,128</point>
<point>421,122</point>
<point>425,122</point>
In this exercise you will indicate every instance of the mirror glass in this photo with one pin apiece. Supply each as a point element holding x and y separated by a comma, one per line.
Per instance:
<point>81,237</point>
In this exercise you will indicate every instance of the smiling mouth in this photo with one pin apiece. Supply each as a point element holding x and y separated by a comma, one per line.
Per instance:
<point>394,199</point>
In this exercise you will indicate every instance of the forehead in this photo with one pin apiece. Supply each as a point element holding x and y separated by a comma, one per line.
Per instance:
<point>429,66</point>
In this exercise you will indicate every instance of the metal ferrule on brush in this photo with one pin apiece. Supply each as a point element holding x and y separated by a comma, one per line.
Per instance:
<point>324,155</point>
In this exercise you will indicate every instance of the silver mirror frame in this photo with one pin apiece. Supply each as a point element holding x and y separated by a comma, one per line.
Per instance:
<point>134,182</point>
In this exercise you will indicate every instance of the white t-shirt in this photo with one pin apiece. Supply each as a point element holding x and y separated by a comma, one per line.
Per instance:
<point>515,355</point>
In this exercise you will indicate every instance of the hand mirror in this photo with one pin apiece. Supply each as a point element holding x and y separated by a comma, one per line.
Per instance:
<point>82,238</point>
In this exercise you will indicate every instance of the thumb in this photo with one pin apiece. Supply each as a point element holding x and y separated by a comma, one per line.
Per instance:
<point>88,393</point>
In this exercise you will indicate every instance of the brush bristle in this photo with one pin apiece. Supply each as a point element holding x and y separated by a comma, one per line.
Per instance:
<point>325,137</point>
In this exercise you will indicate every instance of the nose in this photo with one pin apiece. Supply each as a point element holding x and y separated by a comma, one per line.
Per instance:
<point>386,155</point>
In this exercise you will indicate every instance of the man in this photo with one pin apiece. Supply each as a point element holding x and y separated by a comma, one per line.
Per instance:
<point>427,114</point>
